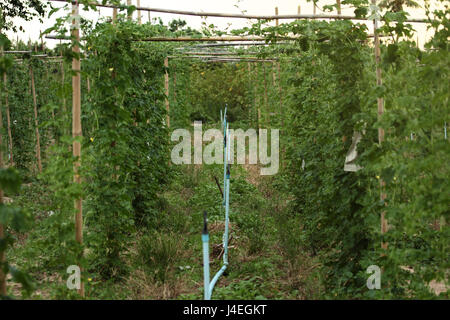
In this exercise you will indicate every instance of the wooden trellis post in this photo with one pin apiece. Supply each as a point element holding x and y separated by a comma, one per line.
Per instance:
<point>129,15</point>
<point>166,87</point>
<point>8,118</point>
<point>47,79</point>
<point>257,98</point>
<point>8,121</point>
<point>249,75</point>
<point>76,124</point>
<point>380,106</point>
<point>2,231</point>
<point>139,12</point>
<point>280,91</point>
<point>63,83</point>
<point>2,253</point>
<point>114,17</point>
<point>174,81</point>
<point>64,105</point>
<point>265,95</point>
<point>274,76</point>
<point>36,122</point>
<point>273,73</point>
<point>276,13</point>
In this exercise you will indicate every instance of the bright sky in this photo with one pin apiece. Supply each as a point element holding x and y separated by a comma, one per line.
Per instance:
<point>259,7</point>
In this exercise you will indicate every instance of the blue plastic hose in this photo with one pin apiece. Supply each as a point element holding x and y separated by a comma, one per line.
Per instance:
<point>209,285</point>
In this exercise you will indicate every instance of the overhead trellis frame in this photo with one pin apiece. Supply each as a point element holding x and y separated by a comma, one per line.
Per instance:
<point>203,39</point>
<point>76,86</point>
<point>243,16</point>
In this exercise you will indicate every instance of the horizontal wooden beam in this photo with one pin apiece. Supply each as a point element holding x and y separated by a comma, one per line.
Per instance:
<point>188,39</point>
<point>205,39</point>
<point>216,57</point>
<point>244,16</point>
<point>17,52</point>
<point>52,37</point>
<point>211,45</point>
<point>244,42</point>
<point>238,60</point>
<point>211,53</point>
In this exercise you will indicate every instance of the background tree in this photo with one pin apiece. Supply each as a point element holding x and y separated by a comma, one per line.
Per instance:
<point>25,9</point>
<point>397,5</point>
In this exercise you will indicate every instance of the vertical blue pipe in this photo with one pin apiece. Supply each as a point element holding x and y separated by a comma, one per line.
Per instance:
<point>445,130</point>
<point>209,285</point>
<point>224,154</point>
<point>227,218</point>
<point>205,241</point>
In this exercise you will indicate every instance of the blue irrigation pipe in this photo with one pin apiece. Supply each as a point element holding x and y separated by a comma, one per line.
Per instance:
<point>224,127</point>
<point>445,130</point>
<point>209,285</point>
<point>205,241</point>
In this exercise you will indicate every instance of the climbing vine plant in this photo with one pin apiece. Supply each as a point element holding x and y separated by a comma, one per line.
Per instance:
<point>127,146</point>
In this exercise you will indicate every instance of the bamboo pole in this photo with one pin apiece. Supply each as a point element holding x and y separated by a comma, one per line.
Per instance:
<point>8,119</point>
<point>47,79</point>
<point>249,74</point>
<point>166,87</point>
<point>276,13</point>
<point>16,51</point>
<point>206,56</point>
<point>139,18</point>
<point>236,60</point>
<point>2,231</point>
<point>29,46</point>
<point>130,16</point>
<point>174,81</point>
<point>2,253</point>
<point>114,17</point>
<point>265,96</point>
<point>274,79</point>
<point>257,99</point>
<point>243,43</point>
<point>76,127</point>
<point>63,85</point>
<point>245,16</point>
<point>210,39</point>
<point>380,107</point>
<point>275,83</point>
<point>280,92</point>
<point>203,39</point>
<point>199,53</point>
<point>2,228</point>
<point>299,10</point>
<point>36,121</point>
